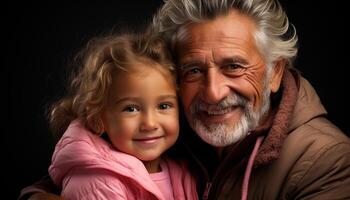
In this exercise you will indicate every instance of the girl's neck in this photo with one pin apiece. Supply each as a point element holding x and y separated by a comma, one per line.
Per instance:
<point>152,166</point>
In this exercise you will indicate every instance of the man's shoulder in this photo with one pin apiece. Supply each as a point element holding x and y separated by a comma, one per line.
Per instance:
<point>317,133</point>
<point>317,144</point>
<point>316,154</point>
<point>314,157</point>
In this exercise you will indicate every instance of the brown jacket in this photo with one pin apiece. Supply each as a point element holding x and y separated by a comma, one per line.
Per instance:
<point>303,156</point>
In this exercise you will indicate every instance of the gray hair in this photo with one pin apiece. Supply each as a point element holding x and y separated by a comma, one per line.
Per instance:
<point>275,37</point>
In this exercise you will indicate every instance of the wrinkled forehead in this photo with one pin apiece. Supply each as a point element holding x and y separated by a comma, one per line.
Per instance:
<point>224,32</point>
<point>213,55</point>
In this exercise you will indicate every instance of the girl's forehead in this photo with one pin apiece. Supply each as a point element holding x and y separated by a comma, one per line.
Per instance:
<point>144,68</point>
<point>143,81</point>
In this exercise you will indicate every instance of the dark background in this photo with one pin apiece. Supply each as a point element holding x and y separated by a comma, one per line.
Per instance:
<point>41,39</point>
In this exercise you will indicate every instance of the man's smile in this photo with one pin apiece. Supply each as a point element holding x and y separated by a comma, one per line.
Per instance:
<point>217,115</point>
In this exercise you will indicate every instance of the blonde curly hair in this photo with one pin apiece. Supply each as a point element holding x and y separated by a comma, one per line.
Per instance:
<point>92,80</point>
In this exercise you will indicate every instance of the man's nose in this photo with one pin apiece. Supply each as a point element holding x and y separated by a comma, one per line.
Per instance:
<point>149,121</point>
<point>215,87</point>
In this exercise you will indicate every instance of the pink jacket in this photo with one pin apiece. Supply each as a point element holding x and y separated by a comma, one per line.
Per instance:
<point>88,167</point>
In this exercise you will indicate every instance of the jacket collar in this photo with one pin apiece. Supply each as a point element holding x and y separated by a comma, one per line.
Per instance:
<point>298,104</point>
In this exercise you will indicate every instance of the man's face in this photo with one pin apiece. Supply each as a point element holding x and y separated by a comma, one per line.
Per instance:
<point>223,81</point>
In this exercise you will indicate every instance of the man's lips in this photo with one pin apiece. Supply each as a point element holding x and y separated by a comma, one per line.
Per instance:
<point>217,115</point>
<point>218,111</point>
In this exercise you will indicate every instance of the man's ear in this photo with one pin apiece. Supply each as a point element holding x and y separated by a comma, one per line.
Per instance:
<point>276,75</point>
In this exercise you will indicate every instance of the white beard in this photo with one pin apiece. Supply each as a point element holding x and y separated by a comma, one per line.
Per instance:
<point>223,134</point>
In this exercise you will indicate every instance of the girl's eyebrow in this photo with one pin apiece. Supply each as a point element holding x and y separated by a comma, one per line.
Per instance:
<point>138,99</point>
<point>171,96</point>
<point>128,99</point>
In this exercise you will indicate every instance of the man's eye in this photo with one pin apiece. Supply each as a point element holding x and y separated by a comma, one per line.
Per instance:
<point>191,73</point>
<point>193,70</point>
<point>233,69</point>
<point>190,70</point>
<point>130,109</point>
<point>232,66</point>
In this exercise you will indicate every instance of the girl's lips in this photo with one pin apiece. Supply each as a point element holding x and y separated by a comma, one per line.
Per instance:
<point>148,139</point>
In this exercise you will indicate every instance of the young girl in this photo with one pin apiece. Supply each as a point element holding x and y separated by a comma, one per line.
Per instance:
<point>122,115</point>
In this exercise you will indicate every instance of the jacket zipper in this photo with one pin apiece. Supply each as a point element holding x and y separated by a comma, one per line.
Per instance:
<point>215,177</point>
<point>212,179</point>
<point>206,191</point>
<point>206,174</point>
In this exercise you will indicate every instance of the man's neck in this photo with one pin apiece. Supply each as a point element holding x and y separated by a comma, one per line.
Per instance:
<point>219,151</point>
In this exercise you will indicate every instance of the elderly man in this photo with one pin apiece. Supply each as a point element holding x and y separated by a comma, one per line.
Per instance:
<point>263,126</point>
<point>241,95</point>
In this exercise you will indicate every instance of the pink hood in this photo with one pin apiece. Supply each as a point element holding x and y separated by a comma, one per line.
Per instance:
<point>88,167</point>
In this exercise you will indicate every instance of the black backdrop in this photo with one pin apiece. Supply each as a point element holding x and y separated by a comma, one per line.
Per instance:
<point>41,38</point>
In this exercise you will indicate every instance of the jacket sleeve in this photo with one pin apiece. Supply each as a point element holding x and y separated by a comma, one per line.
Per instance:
<point>326,176</point>
<point>45,185</point>
<point>93,185</point>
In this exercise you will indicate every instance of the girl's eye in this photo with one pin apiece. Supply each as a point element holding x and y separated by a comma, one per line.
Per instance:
<point>164,106</point>
<point>130,109</point>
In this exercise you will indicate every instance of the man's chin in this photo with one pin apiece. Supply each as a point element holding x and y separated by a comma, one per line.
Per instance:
<point>221,134</point>
<point>218,141</point>
<point>214,134</point>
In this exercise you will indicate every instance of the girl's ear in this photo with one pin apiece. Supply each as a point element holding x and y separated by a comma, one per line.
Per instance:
<point>101,127</point>
<point>97,126</point>
<point>277,74</point>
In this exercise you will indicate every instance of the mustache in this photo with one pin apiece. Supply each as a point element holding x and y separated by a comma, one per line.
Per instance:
<point>233,99</point>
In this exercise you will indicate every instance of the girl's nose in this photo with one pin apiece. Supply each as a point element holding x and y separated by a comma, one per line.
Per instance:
<point>149,122</point>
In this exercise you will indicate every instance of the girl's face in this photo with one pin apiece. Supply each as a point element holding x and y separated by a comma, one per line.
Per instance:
<point>141,114</point>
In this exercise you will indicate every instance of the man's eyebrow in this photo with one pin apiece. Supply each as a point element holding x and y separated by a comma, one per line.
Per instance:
<point>191,60</point>
<point>189,63</point>
<point>235,59</point>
